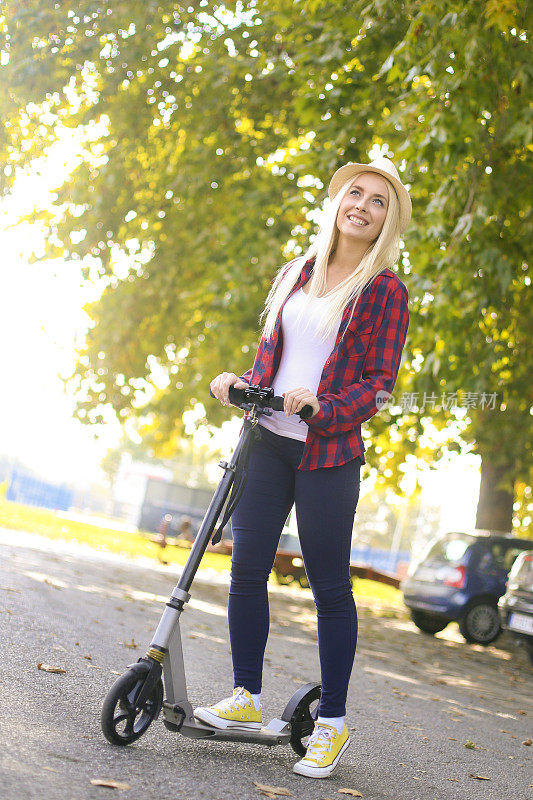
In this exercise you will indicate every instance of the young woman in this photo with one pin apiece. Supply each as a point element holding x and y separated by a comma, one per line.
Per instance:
<point>336,322</point>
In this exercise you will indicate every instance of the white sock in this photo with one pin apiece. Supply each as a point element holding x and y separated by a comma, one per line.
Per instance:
<point>335,722</point>
<point>255,698</point>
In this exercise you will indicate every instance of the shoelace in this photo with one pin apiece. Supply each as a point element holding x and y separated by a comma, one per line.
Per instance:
<point>319,742</point>
<point>238,700</point>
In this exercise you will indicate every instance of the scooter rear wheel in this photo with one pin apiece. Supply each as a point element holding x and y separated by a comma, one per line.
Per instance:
<point>301,711</point>
<point>123,721</point>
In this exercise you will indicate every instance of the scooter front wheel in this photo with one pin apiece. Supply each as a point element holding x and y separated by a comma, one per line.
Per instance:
<point>123,720</point>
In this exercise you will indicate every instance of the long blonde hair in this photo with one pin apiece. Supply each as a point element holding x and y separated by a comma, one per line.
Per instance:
<point>383,252</point>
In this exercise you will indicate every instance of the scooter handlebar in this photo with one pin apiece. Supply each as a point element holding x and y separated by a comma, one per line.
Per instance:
<point>239,397</point>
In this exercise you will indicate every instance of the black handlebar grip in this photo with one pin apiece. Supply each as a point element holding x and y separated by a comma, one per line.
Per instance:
<point>305,413</point>
<point>236,396</point>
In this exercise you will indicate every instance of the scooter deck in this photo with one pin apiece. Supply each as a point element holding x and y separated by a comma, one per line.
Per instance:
<point>276,732</point>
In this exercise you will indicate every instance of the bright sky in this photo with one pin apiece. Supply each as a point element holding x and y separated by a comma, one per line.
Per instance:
<point>40,317</point>
<point>42,320</point>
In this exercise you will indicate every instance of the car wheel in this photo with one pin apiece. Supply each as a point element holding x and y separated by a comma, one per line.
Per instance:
<point>480,624</point>
<point>428,623</point>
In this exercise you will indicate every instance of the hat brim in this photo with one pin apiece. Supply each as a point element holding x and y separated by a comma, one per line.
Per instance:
<point>351,170</point>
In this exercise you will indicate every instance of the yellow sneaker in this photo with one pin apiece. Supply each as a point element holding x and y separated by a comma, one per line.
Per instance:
<point>237,711</point>
<point>324,750</point>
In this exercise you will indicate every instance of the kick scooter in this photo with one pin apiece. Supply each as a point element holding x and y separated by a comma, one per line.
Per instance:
<point>157,681</point>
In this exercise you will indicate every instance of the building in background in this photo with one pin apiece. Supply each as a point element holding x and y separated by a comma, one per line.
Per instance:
<point>129,488</point>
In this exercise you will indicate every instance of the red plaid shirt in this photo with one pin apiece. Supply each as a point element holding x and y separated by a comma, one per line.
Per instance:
<point>363,364</point>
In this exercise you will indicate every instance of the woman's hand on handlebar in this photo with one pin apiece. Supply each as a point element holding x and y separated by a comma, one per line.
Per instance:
<point>296,399</point>
<point>220,386</point>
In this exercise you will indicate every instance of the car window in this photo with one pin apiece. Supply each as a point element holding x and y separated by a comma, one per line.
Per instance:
<point>450,548</point>
<point>521,575</point>
<point>498,551</point>
<point>511,556</point>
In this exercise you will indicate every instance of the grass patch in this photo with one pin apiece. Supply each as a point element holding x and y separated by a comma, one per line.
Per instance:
<point>379,593</point>
<point>46,523</point>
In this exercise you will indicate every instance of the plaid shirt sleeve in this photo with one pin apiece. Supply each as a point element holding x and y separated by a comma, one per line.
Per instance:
<point>340,412</point>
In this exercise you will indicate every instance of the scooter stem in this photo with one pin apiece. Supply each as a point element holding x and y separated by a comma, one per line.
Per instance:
<point>180,594</point>
<point>203,537</point>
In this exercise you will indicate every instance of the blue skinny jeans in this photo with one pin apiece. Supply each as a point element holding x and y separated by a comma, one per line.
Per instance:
<point>325,501</point>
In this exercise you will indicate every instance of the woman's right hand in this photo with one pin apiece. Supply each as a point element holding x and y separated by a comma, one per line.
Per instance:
<point>220,386</point>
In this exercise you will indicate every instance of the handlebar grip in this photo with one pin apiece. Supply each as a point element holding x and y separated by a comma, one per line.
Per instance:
<point>305,413</point>
<point>236,396</point>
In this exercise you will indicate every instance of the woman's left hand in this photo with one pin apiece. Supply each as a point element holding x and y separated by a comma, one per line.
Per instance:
<point>296,399</point>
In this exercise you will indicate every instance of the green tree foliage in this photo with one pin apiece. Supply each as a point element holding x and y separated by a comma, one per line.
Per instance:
<point>211,132</point>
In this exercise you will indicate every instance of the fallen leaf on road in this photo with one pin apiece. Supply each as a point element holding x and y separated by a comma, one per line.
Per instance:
<point>110,784</point>
<point>528,742</point>
<point>470,745</point>
<point>272,791</point>
<point>521,712</point>
<point>50,668</point>
<point>352,792</point>
<point>478,777</point>
<point>133,644</point>
<point>89,658</point>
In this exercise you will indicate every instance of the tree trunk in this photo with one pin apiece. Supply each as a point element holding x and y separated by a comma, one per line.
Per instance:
<point>495,506</point>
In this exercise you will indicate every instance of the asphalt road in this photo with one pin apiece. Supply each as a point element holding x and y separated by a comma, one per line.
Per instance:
<point>414,701</point>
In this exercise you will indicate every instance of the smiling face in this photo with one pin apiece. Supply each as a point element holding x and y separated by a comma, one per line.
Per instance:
<point>364,207</point>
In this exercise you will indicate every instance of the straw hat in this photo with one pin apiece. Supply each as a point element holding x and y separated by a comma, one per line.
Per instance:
<point>382,166</point>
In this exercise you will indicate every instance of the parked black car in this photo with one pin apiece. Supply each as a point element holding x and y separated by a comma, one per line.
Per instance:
<point>460,578</point>
<point>516,605</point>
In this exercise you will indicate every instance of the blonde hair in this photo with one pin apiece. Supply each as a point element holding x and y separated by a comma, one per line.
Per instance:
<point>382,252</point>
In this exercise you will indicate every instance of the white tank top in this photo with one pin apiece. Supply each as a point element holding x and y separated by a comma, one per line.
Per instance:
<point>302,360</point>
